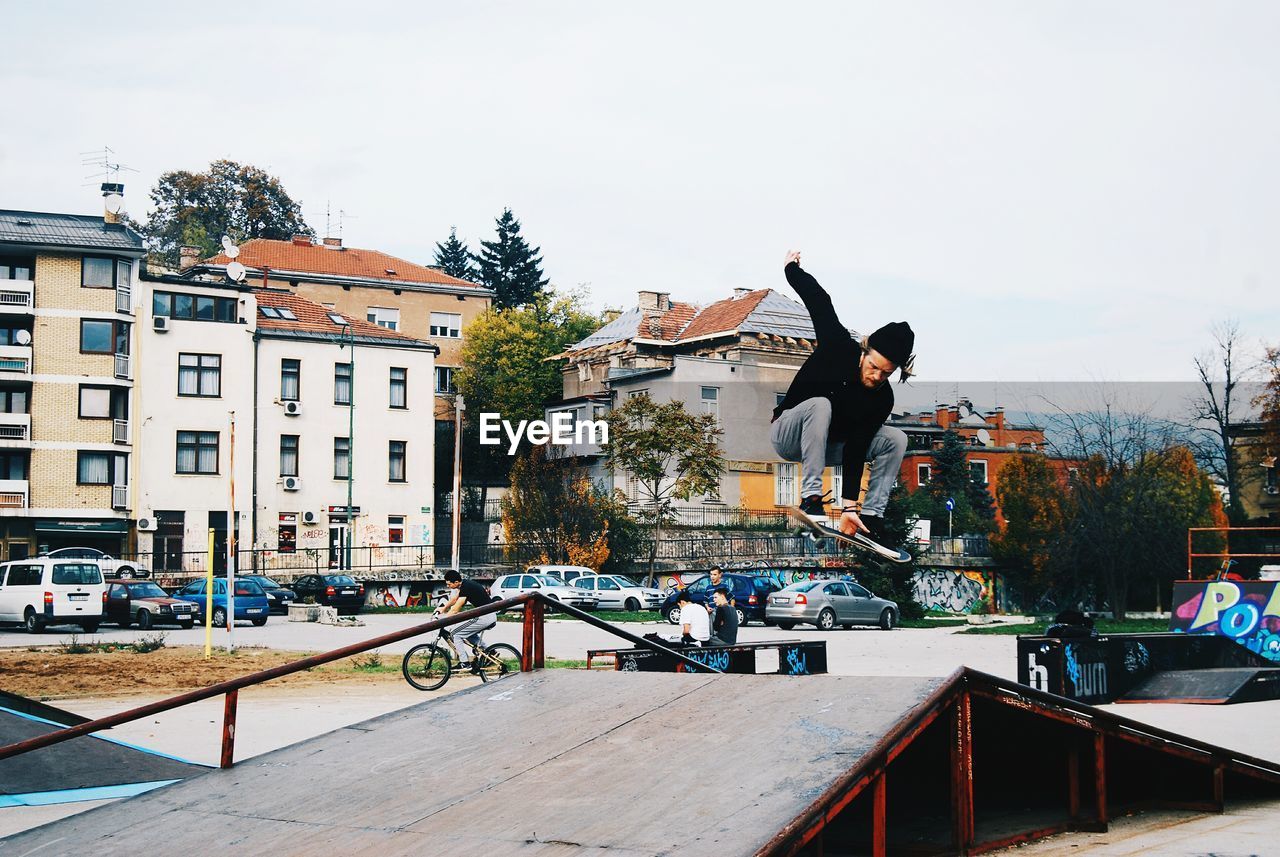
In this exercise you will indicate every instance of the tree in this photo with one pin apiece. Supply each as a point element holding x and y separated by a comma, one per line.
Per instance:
<point>671,453</point>
<point>1214,413</point>
<point>952,479</point>
<point>1268,403</point>
<point>1036,507</point>
<point>455,259</point>
<point>233,199</point>
<point>510,266</point>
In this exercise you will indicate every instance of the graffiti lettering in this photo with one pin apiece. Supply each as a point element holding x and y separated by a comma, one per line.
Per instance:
<point>953,591</point>
<point>717,660</point>
<point>1245,611</point>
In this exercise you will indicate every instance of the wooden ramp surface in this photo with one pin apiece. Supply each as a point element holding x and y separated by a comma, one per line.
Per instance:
<point>547,763</point>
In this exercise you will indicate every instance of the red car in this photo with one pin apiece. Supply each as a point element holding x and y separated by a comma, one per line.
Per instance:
<point>143,602</point>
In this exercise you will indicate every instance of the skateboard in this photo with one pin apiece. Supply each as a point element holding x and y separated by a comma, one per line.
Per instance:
<point>818,532</point>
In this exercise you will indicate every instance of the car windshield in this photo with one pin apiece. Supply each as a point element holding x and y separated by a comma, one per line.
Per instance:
<point>264,581</point>
<point>548,580</point>
<point>804,587</point>
<point>245,586</point>
<point>621,581</point>
<point>340,580</point>
<point>70,574</point>
<point>146,590</point>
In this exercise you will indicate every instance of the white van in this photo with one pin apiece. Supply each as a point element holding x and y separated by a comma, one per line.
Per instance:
<point>45,591</point>
<point>566,573</point>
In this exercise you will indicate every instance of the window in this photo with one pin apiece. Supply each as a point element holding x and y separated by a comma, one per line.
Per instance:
<point>288,455</point>
<point>395,461</point>
<point>711,402</point>
<point>385,317</point>
<point>195,307</point>
<point>97,336</point>
<point>14,335</point>
<point>17,267</point>
<point>24,575</point>
<point>338,319</point>
<point>13,401</point>
<point>200,375</point>
<point>446,324</point>
<point>395,529</point>
<point>399,382</point>
<point>101,468</point>
<point>713,496</point>
<point>785,483</point>
<point>290,379</point>
<point>341,457</point>
<point>923,473</point>
<point>278,312</point>
<point>197,452</point>
<point>104,403</point>
<point>99,272</point>
<point>444,380</point>
<point>288,533</point>
<point>837,482</point>
<point>634,393</point>
<point>342,383</point>
<point>978,472</point>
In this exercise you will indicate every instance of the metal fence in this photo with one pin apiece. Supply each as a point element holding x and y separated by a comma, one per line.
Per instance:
<point>727,517</point>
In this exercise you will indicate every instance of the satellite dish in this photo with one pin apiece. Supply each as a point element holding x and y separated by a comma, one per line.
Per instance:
<point>229,247</point>
<point>235,271</point>
<point>113,202</point>
<point>22,337</point>
<point>984,437</point>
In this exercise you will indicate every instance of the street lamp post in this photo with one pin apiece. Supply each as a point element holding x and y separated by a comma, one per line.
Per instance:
<point>351,438</point>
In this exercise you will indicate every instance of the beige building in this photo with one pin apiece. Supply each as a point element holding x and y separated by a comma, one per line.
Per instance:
<point>67,311</point>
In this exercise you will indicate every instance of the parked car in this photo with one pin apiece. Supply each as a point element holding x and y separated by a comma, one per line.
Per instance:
<point>749,594</point>
<point>143,602</point>
<point>334,590</point>
<point>617,593</point>
<point>564,573</point>
<point>512,585</point>
<point>280,597</point>
<point>112,569</point>
<point>44,591</point>
<point>827,603</point>
<point>251,601</point>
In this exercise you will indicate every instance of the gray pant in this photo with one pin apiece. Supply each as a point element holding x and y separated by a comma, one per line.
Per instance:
<point>800,434</point>
<point>471,630</point>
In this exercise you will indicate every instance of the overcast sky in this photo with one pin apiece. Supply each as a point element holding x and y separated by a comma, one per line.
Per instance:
<point>1046,191</point>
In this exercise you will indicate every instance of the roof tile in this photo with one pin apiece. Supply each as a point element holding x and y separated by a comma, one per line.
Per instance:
<point>314,318</point>
<point>343,262</point>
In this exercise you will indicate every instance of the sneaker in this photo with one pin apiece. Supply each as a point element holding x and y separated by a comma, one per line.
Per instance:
<point>472,668</point>
<point>875,524</point>
<point>814,506</point>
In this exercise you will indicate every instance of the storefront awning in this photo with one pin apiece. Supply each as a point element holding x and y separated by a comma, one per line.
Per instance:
<point>112,527</point>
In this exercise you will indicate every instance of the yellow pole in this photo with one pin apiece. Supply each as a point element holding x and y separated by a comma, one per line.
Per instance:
<point>208,602</point>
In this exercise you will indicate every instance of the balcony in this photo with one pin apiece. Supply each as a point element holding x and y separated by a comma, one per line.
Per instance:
<point>15,431</point>
<point>124,366</point>
<point>119,431</point>
<point>119,496</point>
<point>15,360</point>
<point>15,297</point>
<point>14,493</point>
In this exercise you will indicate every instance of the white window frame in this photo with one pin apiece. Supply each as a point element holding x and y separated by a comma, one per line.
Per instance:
<point>927,471</point>
<point>986,473</point>
<point>447,325</point>
<point>449,388</point>
<point>786,483</point>
<point>711,404</point>
<point>383,316</point>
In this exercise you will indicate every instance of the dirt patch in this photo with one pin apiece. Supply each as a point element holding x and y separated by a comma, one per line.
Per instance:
<point>48,673</point>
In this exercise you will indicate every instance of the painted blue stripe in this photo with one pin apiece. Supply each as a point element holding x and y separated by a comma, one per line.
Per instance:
<point>74,795</point>
<point>102,737</point>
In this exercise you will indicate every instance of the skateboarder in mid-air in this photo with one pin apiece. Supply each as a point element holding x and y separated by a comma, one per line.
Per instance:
<point>835,410</point>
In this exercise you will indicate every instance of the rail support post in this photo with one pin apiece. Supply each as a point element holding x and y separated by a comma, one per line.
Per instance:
<point>531,650</point>
<point>962,821</point>
<point>229,728</point>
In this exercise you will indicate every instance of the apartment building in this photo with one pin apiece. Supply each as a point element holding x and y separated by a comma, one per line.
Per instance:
<point>292,379</point>
<point>68,284</point>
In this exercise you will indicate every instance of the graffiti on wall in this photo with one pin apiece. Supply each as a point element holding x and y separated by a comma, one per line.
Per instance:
<point>952,591</point>
<point>1247,611</point>
<point>416,593</point>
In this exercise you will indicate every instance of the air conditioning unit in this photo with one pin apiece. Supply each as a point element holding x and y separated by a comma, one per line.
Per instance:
<point>160,324</point>
<point>147,524</point>
<point>291,483</point>
<point>292,409</point>
<point>309,517</point>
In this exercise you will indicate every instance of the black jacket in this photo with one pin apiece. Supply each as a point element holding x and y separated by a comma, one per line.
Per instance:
<point>832,373</point>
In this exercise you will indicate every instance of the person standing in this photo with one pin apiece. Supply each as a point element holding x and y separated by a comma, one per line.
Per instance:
<point>835,410</point>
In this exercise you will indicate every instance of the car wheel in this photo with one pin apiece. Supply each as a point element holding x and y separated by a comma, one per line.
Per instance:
<point>742,617</point>
<point>186,626</point>
<point>260,621</point>
<point>826,619</point>
<point>632,605</point>
<point>786,626</point>
<point>33,623</point>
<point>219,617</point>
<point>144,620</point>
<point>887,620</point>
<point>89,627</point>
<point>673,614</point>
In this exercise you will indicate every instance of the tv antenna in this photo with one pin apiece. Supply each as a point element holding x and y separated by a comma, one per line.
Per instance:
<point>329,217</point>
<point>104,159</point>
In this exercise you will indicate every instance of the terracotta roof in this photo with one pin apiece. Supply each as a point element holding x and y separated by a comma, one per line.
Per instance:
<point>314,318</point>
<point>344,262</point>
<point>724,316</point>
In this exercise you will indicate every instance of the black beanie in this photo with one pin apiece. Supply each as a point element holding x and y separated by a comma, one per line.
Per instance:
<point>895,341</point>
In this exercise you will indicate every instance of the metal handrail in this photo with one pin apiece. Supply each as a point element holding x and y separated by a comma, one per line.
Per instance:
<point>1191,556</point>
<point>231,687</point>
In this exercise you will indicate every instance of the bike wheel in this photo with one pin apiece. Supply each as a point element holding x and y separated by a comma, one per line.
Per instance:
<point>499,660</point>
<point>426,667</point>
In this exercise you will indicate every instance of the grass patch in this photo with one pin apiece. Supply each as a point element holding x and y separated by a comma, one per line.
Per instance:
<point>75,646</point>
<point>367,663</point>
<point>1104,626</point>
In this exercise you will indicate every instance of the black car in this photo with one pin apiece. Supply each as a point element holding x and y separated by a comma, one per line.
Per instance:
<point>334,590</point>
<point>750,595</point>
<point>279,597</point>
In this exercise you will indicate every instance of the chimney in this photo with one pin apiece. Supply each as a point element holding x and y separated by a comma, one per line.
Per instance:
<point>302,240</point>
<point>333,242</point>
<point>188,256</point>
<point>655,302</point>
<point>112,202</point>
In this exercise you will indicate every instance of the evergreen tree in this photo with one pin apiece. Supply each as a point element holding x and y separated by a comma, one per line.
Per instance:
<point>510,266</point>
<point>952,480</point>
<point>455,259</point>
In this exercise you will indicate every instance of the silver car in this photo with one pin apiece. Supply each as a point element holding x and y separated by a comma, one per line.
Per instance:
<point>618,593</point>
<point>827,603</point>
<point>511,585</point>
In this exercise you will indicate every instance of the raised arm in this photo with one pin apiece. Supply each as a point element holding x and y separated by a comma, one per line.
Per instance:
<point>826,324</point>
